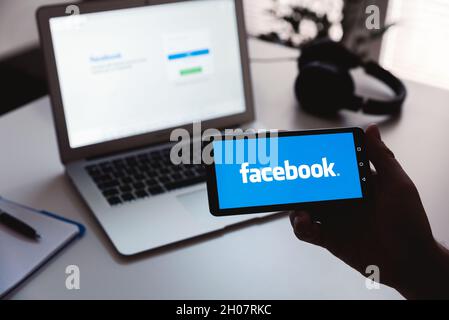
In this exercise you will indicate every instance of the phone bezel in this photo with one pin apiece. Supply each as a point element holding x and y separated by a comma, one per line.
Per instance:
<point>362,160</point>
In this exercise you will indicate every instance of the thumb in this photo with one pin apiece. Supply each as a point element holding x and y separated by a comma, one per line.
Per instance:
<point>380,155</point>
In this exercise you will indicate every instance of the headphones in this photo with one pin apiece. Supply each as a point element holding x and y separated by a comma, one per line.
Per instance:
<point>324,85</point>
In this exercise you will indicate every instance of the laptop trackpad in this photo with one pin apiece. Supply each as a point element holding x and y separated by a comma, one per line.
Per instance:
<point>196,204</point>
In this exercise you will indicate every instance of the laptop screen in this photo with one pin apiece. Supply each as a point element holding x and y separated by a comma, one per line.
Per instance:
<point>132,71</point>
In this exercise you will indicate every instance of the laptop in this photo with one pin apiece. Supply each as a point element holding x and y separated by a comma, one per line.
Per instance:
<point>122,76</point>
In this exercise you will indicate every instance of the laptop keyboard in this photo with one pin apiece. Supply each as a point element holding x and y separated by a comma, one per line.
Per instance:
<point>143,175</point>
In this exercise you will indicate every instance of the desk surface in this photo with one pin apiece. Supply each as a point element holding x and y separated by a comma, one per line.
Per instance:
<point>261,261</point>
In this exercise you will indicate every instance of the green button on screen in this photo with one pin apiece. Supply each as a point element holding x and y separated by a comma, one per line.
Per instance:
<point>186,72</point>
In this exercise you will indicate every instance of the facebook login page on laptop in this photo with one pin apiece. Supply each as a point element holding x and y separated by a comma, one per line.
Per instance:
<point>137,70</point>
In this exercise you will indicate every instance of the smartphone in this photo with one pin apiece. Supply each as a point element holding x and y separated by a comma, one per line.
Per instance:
<point>278,171</point>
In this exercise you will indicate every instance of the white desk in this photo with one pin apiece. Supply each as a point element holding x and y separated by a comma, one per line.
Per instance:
<point>262,261</point>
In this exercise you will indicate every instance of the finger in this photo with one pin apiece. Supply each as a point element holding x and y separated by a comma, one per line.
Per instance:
<point>305,229</point>
<point>380,155</point>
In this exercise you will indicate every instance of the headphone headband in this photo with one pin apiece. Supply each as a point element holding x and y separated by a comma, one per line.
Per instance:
<point>324,84</point>
<point>378,107</point>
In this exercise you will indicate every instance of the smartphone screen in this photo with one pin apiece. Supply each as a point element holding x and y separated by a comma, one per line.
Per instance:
<point>252,174</point>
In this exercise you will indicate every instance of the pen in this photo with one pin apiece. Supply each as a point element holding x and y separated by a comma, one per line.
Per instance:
<point>18,226</point>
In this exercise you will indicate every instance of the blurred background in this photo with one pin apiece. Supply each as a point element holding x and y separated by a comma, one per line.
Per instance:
<point>411,40</point>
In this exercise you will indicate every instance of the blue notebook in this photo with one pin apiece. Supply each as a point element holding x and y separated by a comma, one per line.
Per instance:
<point>20,256</point>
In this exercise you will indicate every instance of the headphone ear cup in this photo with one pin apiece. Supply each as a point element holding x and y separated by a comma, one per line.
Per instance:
<point>323,89</point>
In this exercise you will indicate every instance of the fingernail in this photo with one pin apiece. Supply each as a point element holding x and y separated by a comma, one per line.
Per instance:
<point>296,222</point>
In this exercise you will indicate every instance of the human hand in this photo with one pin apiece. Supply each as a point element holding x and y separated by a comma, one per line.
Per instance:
<point>392,232</point>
